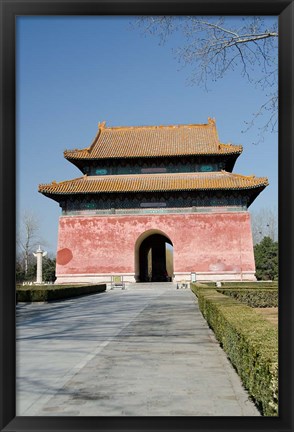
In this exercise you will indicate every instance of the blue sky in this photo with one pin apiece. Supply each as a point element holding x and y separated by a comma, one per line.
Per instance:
<point>73,72</point>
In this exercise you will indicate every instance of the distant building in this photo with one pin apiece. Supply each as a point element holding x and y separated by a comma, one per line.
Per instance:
<point>147,187</point>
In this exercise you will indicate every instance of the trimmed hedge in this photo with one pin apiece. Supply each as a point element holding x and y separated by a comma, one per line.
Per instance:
<point>245,285</point>
<point>250,342</point>
<point>257,285</point>
<point>40,293</point>
<point>253,297</point>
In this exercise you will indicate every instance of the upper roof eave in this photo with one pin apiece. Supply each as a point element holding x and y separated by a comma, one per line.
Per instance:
<point>74,155</point>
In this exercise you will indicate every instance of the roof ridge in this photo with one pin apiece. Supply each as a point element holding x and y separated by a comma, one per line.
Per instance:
<point>245,176</point>
<point>210,122</point>
<point>54,182</point>
<point>248,177</point>
<point>88,149</point>
<point>231,145</point>
<point>118,128</point>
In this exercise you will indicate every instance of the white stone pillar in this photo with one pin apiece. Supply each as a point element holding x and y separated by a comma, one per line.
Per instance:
<point>39,254</point>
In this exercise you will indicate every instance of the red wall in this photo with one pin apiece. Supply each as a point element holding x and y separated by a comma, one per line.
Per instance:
<point>203,242</point>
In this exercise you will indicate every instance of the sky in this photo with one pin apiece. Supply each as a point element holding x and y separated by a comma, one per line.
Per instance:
<point>74,72</point>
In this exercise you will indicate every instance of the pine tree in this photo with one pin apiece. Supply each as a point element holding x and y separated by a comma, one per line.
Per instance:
<point>266,259</point>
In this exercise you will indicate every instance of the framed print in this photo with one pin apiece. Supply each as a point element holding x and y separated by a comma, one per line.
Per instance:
<point>68,64</point>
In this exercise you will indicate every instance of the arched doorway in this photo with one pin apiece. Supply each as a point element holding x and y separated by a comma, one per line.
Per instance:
<point>154,258</point>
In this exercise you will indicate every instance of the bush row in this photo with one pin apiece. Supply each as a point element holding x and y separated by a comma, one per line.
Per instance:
<point>250,342</point>
<point>246,285</point>
<point>253,297</point>
<point>47,292</point>
<point>257,285</point>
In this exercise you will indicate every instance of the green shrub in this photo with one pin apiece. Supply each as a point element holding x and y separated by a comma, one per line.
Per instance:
<point>256,285</point>
<point>250,342</point>
<point>245,284</point>
<point>40,293</point>
<point>266,259</point>
<point>253,297</point>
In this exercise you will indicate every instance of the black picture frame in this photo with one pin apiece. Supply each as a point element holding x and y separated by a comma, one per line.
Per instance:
<point>9,10</point>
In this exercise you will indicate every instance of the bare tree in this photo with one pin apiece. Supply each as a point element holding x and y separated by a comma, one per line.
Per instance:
<point>214,46</point>
<point>264,224</point>
<point>28,237</point>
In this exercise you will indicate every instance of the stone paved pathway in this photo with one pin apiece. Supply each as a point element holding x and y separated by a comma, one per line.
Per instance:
<point>143,351</point>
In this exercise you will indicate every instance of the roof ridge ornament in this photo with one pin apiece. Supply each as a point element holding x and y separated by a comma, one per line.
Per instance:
<point>102,125</point>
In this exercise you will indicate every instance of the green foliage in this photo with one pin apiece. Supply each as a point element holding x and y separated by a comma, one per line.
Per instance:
<point>32,272</point>
<point>49,266</point>
<point>48,270</point>
<point>21,276</point>
<point>253,297</point>
<point>266,259</point>
<point>19,272</point>
<point>40,293</point>
<point>248,285</point>
<point>250,342</point>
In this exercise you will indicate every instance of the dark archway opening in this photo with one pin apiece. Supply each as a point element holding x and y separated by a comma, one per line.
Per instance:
<point>155,259</point>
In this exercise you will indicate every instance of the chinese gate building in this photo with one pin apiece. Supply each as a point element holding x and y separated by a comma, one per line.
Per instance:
<point>155,203</point>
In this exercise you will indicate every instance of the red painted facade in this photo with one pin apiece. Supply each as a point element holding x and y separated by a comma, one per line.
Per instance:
<point>215,245</point>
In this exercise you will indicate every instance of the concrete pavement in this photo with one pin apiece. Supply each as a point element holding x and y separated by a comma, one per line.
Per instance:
<point>143,351</point>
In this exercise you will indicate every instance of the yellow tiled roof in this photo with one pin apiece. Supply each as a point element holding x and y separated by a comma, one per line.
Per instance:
<point>150,141</point>
<point>154,183</point>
